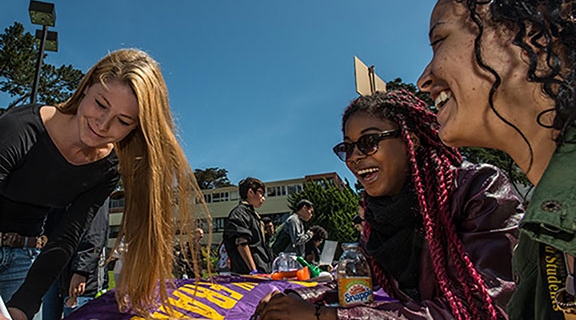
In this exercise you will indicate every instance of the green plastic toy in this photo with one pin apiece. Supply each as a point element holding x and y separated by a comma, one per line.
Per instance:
<point>314,270</point>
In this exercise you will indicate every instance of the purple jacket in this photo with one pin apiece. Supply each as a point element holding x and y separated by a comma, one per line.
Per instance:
<point>486,213</point>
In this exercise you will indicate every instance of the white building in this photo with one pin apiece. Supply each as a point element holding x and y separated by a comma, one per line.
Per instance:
<point>221,200</point>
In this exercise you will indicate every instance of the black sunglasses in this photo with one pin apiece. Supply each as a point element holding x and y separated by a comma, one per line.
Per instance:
<point>367,144</point>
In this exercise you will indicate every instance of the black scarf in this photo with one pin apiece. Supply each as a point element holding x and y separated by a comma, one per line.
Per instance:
<point>396,238</point>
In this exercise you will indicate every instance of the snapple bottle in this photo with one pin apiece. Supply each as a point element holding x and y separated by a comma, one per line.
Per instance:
<point>354,277</point>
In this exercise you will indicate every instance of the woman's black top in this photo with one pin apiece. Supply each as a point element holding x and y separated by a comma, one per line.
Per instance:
<point>35,176</point>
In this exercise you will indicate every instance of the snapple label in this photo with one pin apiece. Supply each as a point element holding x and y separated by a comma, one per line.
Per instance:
<point>354,290</point>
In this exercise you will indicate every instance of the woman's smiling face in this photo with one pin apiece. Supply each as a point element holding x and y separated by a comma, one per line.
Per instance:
<point>460,87</point>
<point>107,114</point>
<point>384,172</point>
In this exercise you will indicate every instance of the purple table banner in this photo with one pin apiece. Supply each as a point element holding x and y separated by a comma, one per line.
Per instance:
<point>228,297</point>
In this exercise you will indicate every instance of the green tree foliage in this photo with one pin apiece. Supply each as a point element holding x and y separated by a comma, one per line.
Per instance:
<point>397,84</point>
<point>334,208</point>
<point>475,155</point>
<point>18,59</point>
<point>212,178</point>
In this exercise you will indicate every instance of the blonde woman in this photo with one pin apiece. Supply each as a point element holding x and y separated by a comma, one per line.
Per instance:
<point>117,123</point>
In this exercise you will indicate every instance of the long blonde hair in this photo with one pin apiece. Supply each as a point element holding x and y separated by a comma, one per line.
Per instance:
<point>160,188</point>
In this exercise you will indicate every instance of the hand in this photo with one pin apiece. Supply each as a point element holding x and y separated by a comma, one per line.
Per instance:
<point>77,285</point>
<point>281,306</point>
<point>263,303</point>
<point>17,314</point>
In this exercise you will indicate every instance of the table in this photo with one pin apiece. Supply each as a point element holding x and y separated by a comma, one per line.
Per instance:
<point>226,297</point>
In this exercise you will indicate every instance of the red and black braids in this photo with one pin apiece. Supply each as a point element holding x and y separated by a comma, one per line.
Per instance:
<point>432,167</point>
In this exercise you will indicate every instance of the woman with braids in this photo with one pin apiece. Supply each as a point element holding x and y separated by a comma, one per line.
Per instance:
<point>439,232</point>
<point>503,76</point>
<point>70,156</point>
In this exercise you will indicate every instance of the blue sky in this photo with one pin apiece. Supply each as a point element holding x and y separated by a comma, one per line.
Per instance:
<point>256,86</point>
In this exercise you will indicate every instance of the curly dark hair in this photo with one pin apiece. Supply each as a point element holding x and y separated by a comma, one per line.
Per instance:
<point>543,29</point>
<point>432,171</point>
<point>319,233</point>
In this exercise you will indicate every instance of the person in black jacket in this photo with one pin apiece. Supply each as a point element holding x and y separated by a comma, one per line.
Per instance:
<point>85,275</point>
<point>244,231</point>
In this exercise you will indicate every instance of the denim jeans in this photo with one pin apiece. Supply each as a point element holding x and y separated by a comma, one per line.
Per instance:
<point>80,301</point>
<point>54,306</point>
<point>52,303</point>
<point>14,265</point>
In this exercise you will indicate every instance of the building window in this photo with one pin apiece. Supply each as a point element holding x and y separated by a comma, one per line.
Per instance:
<point>295,188</point>
<point>208,198</point>
<point>276,191</point>
<point>218,224</point>
<point>220,197</point>
<point>271,192</point>
<point>280,190</point>
<point>325,183</point>
<point>116,203</point>
<point>234,195</point>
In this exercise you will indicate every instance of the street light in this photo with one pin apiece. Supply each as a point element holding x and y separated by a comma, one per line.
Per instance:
<point>51,43</point>
<point>42,13</point>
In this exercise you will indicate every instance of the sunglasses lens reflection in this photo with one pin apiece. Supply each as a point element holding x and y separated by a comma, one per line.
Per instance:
<point>368,144</point>
<point>341,151</point>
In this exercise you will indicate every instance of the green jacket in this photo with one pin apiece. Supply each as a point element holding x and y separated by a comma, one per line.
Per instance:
<point>547,230</point>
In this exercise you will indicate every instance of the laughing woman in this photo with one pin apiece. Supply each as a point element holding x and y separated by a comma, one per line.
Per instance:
<point>503,74</point>
<point>439,232</point>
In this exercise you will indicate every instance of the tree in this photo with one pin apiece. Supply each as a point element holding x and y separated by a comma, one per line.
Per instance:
<point>18,59</point>
<point>397,84</point>
<point>334,208</point>
<point>212,178</point>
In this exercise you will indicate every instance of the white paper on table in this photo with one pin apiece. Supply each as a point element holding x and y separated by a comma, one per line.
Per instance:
<point>327,255</point>
<point>3,309</point>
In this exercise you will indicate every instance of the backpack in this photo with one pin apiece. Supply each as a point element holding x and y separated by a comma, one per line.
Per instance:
<point>281,240</point>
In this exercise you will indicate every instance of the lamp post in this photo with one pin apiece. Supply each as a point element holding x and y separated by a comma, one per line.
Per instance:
<point>42,13</point>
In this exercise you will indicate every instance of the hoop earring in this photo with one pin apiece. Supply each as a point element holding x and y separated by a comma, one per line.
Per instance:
<point>542,114</point>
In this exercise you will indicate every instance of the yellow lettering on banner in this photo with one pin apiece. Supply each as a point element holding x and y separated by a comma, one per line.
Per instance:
<point>210,295</point>
<point>245,285</point>
<point>187,303</point>
<point>233,294</point>
<point>305,283</point>
<point>198,307</point>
